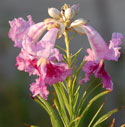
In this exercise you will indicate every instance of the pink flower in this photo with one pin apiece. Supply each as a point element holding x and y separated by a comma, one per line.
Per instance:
<point>99,47</point>
<point>38,57</point>
<point>100,52</point>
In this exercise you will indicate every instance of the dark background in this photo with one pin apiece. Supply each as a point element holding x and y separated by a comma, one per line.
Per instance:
<point>16,107</point>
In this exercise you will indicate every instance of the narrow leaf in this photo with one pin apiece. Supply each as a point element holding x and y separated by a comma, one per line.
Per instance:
<point>83,114</point>
<point>53,115</point>
<point>95,115</point>
<point>106,116</point>
<point>61,101</point>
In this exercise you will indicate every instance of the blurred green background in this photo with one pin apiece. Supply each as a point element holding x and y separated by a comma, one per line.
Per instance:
<point>16,107</point>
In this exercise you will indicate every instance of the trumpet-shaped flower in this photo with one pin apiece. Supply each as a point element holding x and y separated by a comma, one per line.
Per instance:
<point>99,47</point>
<point>100,52</point>
<point>38,57</point>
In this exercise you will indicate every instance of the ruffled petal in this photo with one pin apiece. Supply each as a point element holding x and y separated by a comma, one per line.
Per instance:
<point>97,68</point>
<point>114,46</point>
<point>39,88</point>
<point>26,62</point>
<point>56,72</point>
<point>18,29</point>
<point>89,68</point>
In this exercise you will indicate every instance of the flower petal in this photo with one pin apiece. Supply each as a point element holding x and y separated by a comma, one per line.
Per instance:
<point>27,63</point>
<point>90,57</point>
<point>101,73</point>
<point>18,30</point>
<point>97,68</point>
<point>114,46</point>
<point>44,47</point>
<point>39,88</point>
<point>97,43</point>
<point>36,30</point>
<point>56,72</point>
<point>99,46</point>
<point>89,68</point>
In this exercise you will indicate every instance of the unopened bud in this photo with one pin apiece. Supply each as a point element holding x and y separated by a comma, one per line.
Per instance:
<point>79,29</point>
<point>78,22</point>
<point>75,7</point>
<point>54,13</point>
<point>69,13</point>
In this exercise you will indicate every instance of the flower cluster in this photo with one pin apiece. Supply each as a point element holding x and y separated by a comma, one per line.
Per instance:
<point>40,57</point>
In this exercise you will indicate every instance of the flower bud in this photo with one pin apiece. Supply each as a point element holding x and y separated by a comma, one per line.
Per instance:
<point>52,23</point>
<point>78,22</point>
<point>75,7</point>
<point>54,13</point>
<point>69,13</point>
<point>79,29</point>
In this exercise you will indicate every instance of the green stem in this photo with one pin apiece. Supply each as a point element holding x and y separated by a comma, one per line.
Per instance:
<point>69,86</point>
<point>67,47</point>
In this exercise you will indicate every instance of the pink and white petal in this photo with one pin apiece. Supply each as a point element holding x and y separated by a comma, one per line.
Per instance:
<point>90,57</point>
<point>55,55</point>
<point>57,72</point>
<point>25,62</point>
<point>116,40</point>
<point>114,46</point>
<point>19,29</point>
<point>39,88</point>
<point>44,47</point>
<point>36,30</point>
<point>97,43</point>
<point>51,36</point>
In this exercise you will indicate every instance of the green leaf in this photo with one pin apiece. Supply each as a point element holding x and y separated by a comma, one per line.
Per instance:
<point>106,116</point>
<point>84,112</point>
<point>95,115</point>
<point>85,97</point>
<point>58,107</point>
<point>75,76</point>
<point>54,118</point>
<point>60,48</point>
<point>62,104</point>
<point>64,95</point>
<point>74,56</point>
